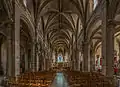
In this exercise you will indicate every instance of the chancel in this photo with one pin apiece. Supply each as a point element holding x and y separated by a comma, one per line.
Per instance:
<point>60,58</point>
<point>59,43</point>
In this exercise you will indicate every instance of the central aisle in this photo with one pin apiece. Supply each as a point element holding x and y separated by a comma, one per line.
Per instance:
<point>59,81</point>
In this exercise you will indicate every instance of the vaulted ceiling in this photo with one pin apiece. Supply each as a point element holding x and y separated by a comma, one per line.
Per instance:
<point>62,19</point>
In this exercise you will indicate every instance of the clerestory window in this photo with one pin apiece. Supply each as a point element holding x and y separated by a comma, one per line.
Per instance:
<point>25,2</point>
<point>95,3</point>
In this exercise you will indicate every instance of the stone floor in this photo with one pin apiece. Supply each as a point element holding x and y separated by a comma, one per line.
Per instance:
<point>59,81</point>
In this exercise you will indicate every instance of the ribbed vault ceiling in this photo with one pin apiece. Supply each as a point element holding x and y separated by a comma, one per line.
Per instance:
<point>60,20</point>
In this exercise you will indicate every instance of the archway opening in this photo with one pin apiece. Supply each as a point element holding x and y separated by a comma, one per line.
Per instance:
<point>98,58</point>
<point>3,54</point>
<point>60,59</point>
<point>25,47</point>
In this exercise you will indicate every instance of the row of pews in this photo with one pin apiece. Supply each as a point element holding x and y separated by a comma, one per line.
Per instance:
<point>87,79</point>
<point>32,79</point>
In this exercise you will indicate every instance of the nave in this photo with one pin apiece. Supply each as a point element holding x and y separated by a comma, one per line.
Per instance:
<point>61,79</point>
<point>80,38</point>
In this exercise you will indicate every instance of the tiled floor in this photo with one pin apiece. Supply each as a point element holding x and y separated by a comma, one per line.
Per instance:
<point>59,81</point>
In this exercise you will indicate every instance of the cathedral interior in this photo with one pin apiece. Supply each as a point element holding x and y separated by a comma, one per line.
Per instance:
<point>59,43</point>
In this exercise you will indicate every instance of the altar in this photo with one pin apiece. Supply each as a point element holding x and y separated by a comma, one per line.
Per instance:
<point>63,66</point>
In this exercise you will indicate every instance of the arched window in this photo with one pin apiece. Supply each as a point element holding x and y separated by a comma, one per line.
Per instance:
<point>25,2</point>
<point>60,58</point>
<point>95,3</point>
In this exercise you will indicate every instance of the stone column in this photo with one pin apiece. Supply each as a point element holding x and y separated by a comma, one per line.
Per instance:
<point>73,57</point>
<point>81,62</point>
<point>26,59</point>
<point>17,41</point>
<point>85,57</point>
<point>78,69</point>
<point>92,62</point>
<point>92,59</point>
<point>37,62</point>
<point>110,48</point>
<point>44,61</point>
<point>89,59</point>
<point>29,59</point>
<point>1,67</point>
<point>33,57</point>
<point>77,60</point>
<point>108,52</point>
<point>47,64</point>
<point>72,61</point>
<point>9,50</point>
<point>104,41</point>
<point>107,42</point>
<point>14,44</point>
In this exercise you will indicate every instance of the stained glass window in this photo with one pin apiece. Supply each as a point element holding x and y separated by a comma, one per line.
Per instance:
<point>25,2</point>
<point>60,58</point>
<point>95,3</point>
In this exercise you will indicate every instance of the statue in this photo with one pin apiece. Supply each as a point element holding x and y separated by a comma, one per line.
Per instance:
<point>115,65</point>
<point>98,64</point>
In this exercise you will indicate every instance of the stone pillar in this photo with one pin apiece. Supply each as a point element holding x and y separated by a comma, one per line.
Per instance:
<point>81,62</point>
<point>26,60</point>
<point>44,60</point>
<point>92,62</point>
<point>1,67</point>
<point>17,41</point>
<point>37,63</point>
<point>47,64</point>
<point>89,59</point>
<point>14,44</point>
<point>77,60</point>
<point>29,59</point>
<point>107,42</point>
<point>74,60</point>
<point>74,64</point>
<point>9,50</point>
<point>110,48</point>
<point>39,69</point>
<point>33,57</point>
<point>92,59</point>
<point>85,57</point>
<point>104,41</point>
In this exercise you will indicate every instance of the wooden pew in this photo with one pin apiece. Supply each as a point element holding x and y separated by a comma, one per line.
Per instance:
<point>32,79</point>
<point>87,79</point>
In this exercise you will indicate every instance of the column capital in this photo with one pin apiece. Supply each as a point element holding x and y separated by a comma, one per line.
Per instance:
<point>86,42</point>
<point>111,23</point>
<point>9,31</point>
